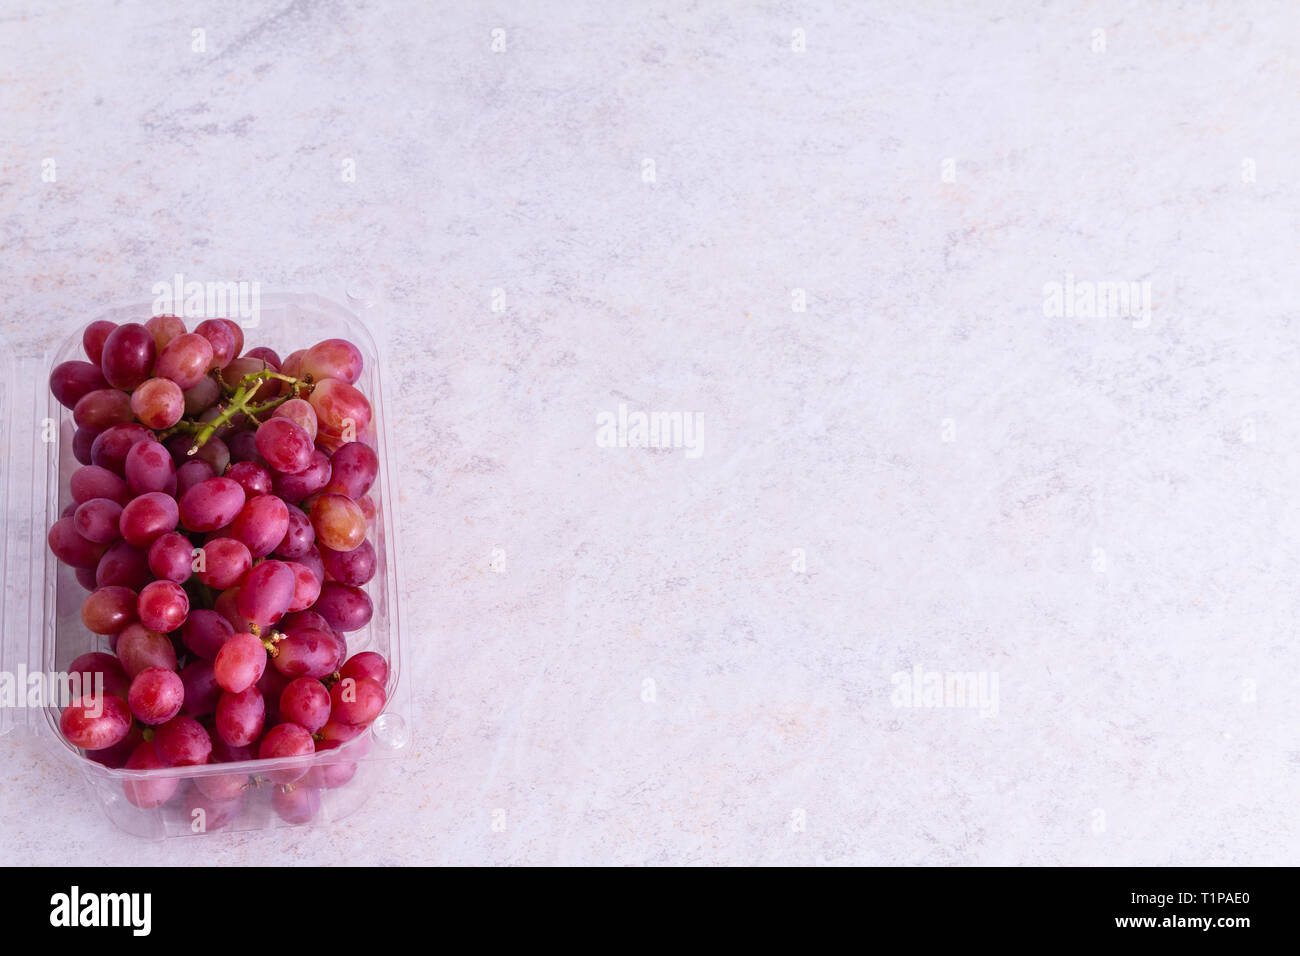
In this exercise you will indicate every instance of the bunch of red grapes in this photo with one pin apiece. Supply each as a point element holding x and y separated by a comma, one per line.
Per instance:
<point>219,522</point>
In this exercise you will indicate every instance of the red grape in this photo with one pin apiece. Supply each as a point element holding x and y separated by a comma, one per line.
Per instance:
<point>156,695</point>
<point>201,396</point>
<point>306,701</point>
<point>306,653</point>
<point>163,606</point>
<point>252,477</point>
<point>333,358</point>
<point>190,474</point>
<point>366,664</point>
<point>71,548</point>
<point>148,467</point>
<point>103,408</point>
<point>148,517</point>
<point>211,504</point>
<point>306,588</point>
<point>108,610</point>
<point>123,564</point>
<point>298,539</point>
<point>164,328</point>
<point>171,557</point>
<point>357,700</point>
<point>70,381</point>
<point>96,667</point>
<point>186,360</point>
<point>284,444</point>
<point>338,521</point>
<point>92,339</point>
<point>97,520</point>
<point>158,403</point>
<point>129,353</point>
<point>83,440</point>
<point>240,663</point>
<point>240,717</point>
<point>294,488</point>
<point>341,411</point>
<point>139,648</point>
<point>110,447</point>
<point>95,722</point>
<point>354,567</point>
<point>148,792</point>
<point>266,592</point>
<point>353,470</point>
<point>300,412</point>
<point>344,608</point>
<point>205,632</point>
<point>286,740</point>
<point>295,804</point>
<point>92,481</point>
<point>220,333</point>
<point>182,742</point>
<point>201,688</point>
<point>225,562</point>
<point>261,524</point>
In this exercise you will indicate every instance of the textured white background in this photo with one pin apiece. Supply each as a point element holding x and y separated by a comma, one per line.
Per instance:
<point>1121,690</point>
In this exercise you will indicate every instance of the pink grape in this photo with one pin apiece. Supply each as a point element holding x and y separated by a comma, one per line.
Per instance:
<point>70,381</point>
<point>129,354</point>
<point>164,328</point>
<point>344,608</point>
<point>264,354</point>
<point>95,722</point>
<point>83,440</point>
<point>116,756</point>
<point>215,452</point>
<point>71,548</point>
<point>336,732</point>
<point>110,447</point>
<point>171,557</point>
<point>186,360</point>
<point>221,335</point>
<point>202,395</point>
<point>182,742</point>
<point>284,445</point>
<point>163,606</point>
<point>310,559</point>
<point>292,364</point>
<point>354,567</point>
<point>139,648</point>
<point>86,578</point>
<point>97,520</point>
<point>366,664</point>
<point>266,592</point>
<point>286,740</point>
<point>156,695</point>
<point>108,610</point>
<point>223,752</point>
<point>294,488</point>
<point>92,339</point>
<point>306,587</point>
<point>92,481</point>
<point>252,477</point>
<point>261,524</point>
<point>239,368</point>
<point>243,447</point>
<point>357,700</point>
<point>103,408</point>
<point>148,517</point>
<point>354,467</point>
<point>240,717</point>
<point>95,667</point>
<point>201,688</point>
<point>298,539</point>
<point>295,804</point>
<point>123,564</point>
<point>148,792</point>
<point>190,474</point>
<point>338,522</point>
<point>158,402</point>
<point>211,504</point>
<point>340,410</point>
<point>205,632</point>
<point>226,561</point>
<point>306,653</point>
<point>208,815</point>
<point>306,702</point>
<point>300,412</point>
<point>330,775</point>
<point>333,358</point>
<point>148,467</point>
<point>271,685</point>
<point>226,605</point>
<point>240,663</point>
<point>222,786</point>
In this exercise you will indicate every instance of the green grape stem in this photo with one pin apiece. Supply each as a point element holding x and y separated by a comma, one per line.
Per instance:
<point>241,403</point>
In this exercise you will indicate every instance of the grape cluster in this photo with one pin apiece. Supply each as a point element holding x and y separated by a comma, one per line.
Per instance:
<point>219,521</point>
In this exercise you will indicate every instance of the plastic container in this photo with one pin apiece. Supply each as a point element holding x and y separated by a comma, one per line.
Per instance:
<point>42,628</point>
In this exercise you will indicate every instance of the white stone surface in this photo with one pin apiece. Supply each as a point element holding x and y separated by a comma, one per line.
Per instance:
<point>1099,535</point>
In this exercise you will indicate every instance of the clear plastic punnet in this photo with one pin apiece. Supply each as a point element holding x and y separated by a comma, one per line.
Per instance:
<point>43,632</point>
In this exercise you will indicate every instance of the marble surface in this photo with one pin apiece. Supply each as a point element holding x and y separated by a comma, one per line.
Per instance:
<point>1095,515</point>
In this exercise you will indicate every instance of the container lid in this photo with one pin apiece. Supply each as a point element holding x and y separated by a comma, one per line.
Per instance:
<point>27,459</point>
